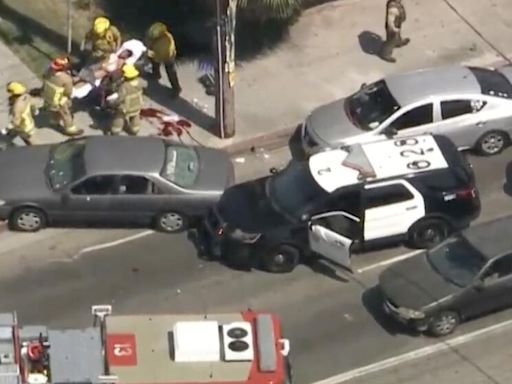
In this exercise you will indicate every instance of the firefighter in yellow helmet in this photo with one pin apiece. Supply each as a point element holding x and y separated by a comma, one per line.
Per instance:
<point>128,102</point>
<point>57,91</point>
<point>162,50</point>
<point>102,40</point>
<point>21,112</point>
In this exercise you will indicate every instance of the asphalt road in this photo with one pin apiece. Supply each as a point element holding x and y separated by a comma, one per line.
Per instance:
<point>333,319</point>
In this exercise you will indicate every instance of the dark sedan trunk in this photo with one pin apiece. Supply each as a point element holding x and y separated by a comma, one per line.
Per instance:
<point>413,284</point>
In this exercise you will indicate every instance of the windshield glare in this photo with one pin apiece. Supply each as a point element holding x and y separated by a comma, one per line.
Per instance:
<point>371,106</point>
<point>293,190</point>
<point>457,261</point>
<point>181,166</point>
<point>66,164</point>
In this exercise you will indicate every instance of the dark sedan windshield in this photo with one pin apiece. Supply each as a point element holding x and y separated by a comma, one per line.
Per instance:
<point>293,190</point>
<point>457,261</point>
<point>66,163</point>
<point>181,166</point>
<point>371,105</point>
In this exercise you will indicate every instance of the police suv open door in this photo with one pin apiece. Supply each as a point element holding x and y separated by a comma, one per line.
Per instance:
<point>331,235</point>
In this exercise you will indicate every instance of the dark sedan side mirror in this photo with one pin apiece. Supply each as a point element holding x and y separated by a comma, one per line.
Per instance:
<point>478,285</point>
<point>390,132</point>
<point>65,197</point>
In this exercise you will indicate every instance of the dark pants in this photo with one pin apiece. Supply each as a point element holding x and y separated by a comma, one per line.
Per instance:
<point>393,40</point>
<point>170,70</point>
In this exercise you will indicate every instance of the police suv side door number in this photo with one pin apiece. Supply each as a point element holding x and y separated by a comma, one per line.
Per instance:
<point>323,171</point>
<point>407,153</point>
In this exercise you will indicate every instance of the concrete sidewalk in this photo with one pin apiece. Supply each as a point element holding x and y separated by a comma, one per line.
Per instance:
<point>329,53</point>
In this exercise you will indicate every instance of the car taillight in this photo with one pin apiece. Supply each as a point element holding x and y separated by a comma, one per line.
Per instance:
<point>469,193</point>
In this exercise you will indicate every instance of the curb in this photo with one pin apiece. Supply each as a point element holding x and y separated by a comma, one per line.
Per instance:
<point>279,138</point>
<point>268,141</point>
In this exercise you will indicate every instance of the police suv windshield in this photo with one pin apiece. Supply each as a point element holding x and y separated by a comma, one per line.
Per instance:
<point>181,166</point>
<point>66,163</point>
<point>371,105</point>
<point>293,190</point>
<point>457,261</point>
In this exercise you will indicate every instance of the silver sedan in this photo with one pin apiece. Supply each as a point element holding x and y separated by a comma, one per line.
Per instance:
<point>470,105</point>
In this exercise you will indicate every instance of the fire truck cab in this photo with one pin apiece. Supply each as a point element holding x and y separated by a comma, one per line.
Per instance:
<point>245,347</point>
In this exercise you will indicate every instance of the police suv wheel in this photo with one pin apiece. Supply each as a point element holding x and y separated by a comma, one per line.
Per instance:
<point>171,222</point>
<point>282,259</point>
<point>492,143</point>
<point>443,323</point>
<point>428,233</point>
<point>27,220</point>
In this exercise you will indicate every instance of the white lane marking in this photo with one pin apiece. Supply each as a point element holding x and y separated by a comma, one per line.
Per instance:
<point>389,261</point>
<point>413,355</point>
<point>106,245</point>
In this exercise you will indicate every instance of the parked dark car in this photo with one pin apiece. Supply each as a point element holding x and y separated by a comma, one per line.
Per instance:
<point>467,275</point>
<point>111,181</point>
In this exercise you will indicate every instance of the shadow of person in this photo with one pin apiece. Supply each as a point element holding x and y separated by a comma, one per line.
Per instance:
<point>295,145</point>
<point>370,42</point>
<point>507,186</point>
<point>372,300</point>
<point>161,95</point>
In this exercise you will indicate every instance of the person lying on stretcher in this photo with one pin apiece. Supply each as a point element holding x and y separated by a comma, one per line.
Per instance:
<point>98,75</point>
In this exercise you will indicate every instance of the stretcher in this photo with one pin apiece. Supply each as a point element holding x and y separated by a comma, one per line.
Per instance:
<point>92,76</point>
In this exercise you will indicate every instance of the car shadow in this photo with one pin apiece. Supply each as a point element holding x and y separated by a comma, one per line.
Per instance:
<point>370,42</point>
<point>372,300</point>
<point>321,267</point>
<point>507,186</point>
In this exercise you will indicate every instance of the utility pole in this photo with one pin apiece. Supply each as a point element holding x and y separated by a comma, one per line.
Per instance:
<point>70,25</point>
<point>225,68</point>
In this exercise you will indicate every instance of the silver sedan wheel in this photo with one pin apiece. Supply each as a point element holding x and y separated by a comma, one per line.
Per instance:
<point>29,221</point>
<point>493,143</point>
<point>171,222</point>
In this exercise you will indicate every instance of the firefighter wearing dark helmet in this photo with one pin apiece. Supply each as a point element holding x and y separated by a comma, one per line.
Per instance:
<point>57,92</point>
<point>395,17</point>
<point>162,50</point>
<point>127,102</point>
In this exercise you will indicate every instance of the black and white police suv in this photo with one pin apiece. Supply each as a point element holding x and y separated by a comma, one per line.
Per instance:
<point>416,189</point>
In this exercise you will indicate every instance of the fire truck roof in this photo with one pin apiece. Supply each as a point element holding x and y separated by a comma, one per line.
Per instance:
<point>164,349</point>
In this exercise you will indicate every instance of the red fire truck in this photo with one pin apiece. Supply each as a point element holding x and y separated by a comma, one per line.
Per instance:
<point>245,347</point>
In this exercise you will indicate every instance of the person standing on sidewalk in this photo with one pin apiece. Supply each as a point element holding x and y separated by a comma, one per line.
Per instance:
<point>128,102</point>
<point>395,17</point>
<point>162,50</point>
<point>57,91</point>
<point>102,40</point>
<point>21,112</point>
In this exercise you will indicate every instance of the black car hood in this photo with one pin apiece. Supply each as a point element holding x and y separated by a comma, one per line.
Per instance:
<point>413,284</point>
<point>22,171</point>
<point>246,207</point>
<point>216,172</point>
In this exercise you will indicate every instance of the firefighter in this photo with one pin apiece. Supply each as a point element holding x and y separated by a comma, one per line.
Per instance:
<point>102,40</point>
<point>128,102</point>
<point>57,90</point>
<point>21,112</point>
<point>162,50</point>
<point>395,17</point>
